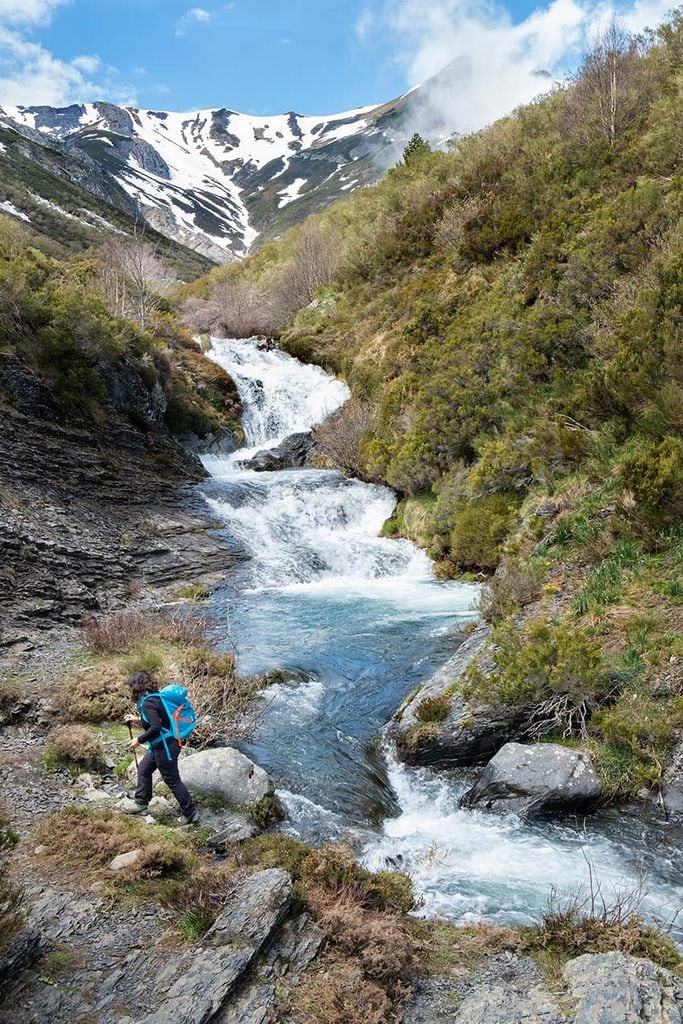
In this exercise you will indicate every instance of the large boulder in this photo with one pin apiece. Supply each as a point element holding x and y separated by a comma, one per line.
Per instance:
<point>292,453</point>
<point>225,774</point>
<point>537,778</point>
<point>612,987</point>
<point>438,726</point>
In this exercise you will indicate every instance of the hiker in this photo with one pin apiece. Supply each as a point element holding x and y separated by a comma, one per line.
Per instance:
<point>162,752</point>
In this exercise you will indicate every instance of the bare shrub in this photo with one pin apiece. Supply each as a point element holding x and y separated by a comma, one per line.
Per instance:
<point>610,93</point>
<point>121,632</point>
<point>515,585</point>
<point>226,704</point>
<point>73,744</point>
<point>585,921</point>
<point>342,435</point>
<point>133,277</point>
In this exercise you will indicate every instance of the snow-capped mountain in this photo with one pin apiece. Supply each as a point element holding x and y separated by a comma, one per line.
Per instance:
<point>216,180</point>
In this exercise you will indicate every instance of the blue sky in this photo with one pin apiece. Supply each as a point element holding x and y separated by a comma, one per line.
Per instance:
<point>266,56</point>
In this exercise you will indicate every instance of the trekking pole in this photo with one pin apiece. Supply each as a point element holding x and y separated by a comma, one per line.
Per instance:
<point>135,753</point>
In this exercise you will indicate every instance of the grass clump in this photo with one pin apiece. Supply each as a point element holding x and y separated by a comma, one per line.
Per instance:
<point>124,632</point>
<point>267,811</point>
<point>515,585</point>
<point>10,692</point>
<point>433,709</point>
<point>198,900</point>
<point>194,593</point>
<point>73,746</point>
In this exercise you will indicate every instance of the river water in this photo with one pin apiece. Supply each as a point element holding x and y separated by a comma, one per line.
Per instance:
<point>357,621</point>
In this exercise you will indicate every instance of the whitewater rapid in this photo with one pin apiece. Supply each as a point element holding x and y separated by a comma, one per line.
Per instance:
<point>357,621</point>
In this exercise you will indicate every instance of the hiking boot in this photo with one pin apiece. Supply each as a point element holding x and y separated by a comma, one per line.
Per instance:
<point>193,818</point>
<point>129,806</point>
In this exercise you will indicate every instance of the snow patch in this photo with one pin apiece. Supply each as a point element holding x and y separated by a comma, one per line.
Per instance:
<point>8,207</point>
<point>292,192</point>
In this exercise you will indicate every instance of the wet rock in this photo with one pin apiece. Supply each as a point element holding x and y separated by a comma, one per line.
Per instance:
<point>228,828</point>
<point>292,453</point>
<point>535,779</point>
<point>470,732</point>
<point>225,773</point>
<point>672,786</point>
<point>195,985</point>
<point>125,860</point>
<point>611,988</point>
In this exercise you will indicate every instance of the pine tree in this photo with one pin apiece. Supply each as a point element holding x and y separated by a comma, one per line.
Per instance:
<point>416,148</point>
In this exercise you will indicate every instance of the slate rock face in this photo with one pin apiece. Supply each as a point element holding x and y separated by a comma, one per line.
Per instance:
<point>534,779</point>
<point>611,988</point>
<point>471,731</point>
<point>225,773</point>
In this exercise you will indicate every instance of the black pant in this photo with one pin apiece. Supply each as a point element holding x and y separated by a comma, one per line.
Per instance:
<point>168,769</point>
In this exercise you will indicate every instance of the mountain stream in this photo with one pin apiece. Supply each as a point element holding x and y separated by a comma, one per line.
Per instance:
<point>356,621</point>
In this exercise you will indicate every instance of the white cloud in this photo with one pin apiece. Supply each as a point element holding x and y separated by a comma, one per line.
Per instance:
<point>31,75</point>
<point>195,16</point>
<point>28,12</point>
<point>88,63</point>
<point>497,63</point>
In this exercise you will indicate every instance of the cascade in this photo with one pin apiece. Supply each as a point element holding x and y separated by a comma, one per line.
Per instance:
<point>357,621</point>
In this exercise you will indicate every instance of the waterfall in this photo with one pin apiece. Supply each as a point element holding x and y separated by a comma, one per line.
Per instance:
<point>357,621</point>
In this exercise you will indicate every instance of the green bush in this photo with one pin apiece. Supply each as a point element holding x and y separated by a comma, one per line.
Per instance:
<point>653,475</point>
<point>541,662</point>
<point>433,709</point>
<point>480,528</point>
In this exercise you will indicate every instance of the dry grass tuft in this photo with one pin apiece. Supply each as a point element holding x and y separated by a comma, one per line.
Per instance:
<point>73,744</point>
<point>337,992</point>
<point>95,694</point>
<point>81,844</point>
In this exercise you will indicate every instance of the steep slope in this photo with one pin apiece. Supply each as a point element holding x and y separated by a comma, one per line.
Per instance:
<point>216,180</point>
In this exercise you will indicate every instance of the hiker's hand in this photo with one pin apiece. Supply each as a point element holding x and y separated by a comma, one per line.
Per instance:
<point>134,744</point>
<point>131,719</point>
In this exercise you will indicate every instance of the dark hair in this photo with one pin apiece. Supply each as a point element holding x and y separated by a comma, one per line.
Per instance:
<point>142,683</point>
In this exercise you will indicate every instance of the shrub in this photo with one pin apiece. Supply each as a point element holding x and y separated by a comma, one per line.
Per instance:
<point>335,869</point>
<point>636,735</point>
<point>94,694</point>
<point>267,811</point>
<point>73,745</point>
<point>654,477</point>
<point>479,529</point>
<point>556,670</point>
<point>336,992</point>
<point>516,584</point>
<point>343,434</point>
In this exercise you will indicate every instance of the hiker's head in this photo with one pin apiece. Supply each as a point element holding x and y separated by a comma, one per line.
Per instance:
<point>141,683</point>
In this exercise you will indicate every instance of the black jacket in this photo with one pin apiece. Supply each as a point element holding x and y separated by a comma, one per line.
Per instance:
<point>157,718</point>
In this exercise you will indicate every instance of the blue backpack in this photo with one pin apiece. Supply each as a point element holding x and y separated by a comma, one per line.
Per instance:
<point>181,715</point>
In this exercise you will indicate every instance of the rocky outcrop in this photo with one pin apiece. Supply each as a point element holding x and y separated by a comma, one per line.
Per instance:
<point>85,514</point>
<point>226,774</point>
<point>608,988</point>
<point>195,985</point>
<point>536,779</point>
<point>465,732</point>
<point>292,453</point>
